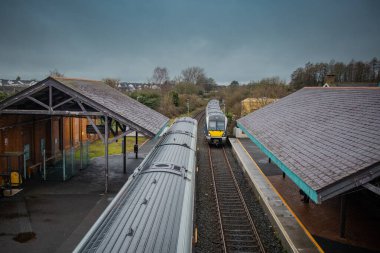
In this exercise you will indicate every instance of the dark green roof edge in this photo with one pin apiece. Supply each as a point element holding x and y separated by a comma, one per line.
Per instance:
<point>297,180</point>
<point>162,129</point>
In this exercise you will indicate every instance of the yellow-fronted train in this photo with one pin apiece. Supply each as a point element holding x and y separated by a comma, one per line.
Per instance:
<point>216,123</point>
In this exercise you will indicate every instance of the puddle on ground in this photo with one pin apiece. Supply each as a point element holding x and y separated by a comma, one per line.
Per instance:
<point>262,161</point>
<point>24,237</point>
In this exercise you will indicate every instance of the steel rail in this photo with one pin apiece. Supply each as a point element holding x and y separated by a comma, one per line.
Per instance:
<point>243,202</point>
<point>229,202</point>
<point>217,202</point>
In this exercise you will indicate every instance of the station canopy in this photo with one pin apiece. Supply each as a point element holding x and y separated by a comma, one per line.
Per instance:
<point>327,140</point>
<point>79,97</point>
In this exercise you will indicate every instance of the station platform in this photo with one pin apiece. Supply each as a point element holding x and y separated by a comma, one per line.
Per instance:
<point>309,227</point>
<point>53,216</point>
<point>291,232</point>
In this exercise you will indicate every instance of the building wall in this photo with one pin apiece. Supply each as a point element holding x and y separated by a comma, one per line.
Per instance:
<point>16,131</point>
<point>249,105</point>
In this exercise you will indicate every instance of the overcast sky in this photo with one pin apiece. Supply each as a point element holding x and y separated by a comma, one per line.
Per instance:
<point>231,39</point>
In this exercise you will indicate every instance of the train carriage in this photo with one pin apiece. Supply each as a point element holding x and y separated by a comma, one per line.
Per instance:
<point>153,212</point>
<point>216,123</point>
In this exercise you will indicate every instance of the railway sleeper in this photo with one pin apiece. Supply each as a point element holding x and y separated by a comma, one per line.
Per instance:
<point>230,190</point>
<point>232,216</point>
<point>242,245</point>
<point>230,207</point>
<point>239,244</point>
<point>235,219</point>
<point>239,237</point>
<point>228,236</point>
<point>227,204</point>
<point>223,200</point>
<point>249,250</point>
<point>234,212</point>
<point>229,194</point>
<point>235,227</point>
<point>226,201</point>
<point>225,185</point>
<point>231,211</point>
<point>226,189</point>
<point>238,230</point>
<point>234,222</point>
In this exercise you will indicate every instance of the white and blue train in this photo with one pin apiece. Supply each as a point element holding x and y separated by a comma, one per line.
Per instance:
<point>216,123</point>
<point>153,212</point>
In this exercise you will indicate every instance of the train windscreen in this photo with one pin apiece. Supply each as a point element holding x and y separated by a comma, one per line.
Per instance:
<point>220,125</point>
<point>212,125</point>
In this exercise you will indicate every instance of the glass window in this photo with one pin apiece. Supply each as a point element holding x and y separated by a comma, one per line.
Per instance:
<point>220,125</point>
<point>212,125</point>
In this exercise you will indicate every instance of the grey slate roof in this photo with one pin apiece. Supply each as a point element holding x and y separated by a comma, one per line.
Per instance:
<point>323,135</point>
<point>118,103</point>
<point>69,95</point>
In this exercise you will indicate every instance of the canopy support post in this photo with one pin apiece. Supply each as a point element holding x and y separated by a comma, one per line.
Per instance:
<point>106,151</point>
<point>343,213</point>
<point>124,148</point>
<point>137,145</point>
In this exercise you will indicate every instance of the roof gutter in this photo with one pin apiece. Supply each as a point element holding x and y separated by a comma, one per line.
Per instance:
<point>161,130</point>
<point>313,195</point>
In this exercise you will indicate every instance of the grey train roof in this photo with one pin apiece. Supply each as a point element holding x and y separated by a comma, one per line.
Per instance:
<point>328,139</point>
<point>213,107</point>
<point>153,211</point>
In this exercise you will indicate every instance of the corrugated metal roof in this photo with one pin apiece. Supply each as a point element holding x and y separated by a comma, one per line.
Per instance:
<point>117,103</point>
<point>323,135</point>
<point>153,211</point>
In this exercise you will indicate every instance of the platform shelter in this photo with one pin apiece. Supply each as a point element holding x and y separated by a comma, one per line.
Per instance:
<point>326,140</point>
<point>54,118</point>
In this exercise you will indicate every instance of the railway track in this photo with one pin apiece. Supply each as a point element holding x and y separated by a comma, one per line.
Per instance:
<point>238,232</point>
<point>236,228</point>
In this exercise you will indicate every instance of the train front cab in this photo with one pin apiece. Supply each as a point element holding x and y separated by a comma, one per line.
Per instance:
<point>216,132</point>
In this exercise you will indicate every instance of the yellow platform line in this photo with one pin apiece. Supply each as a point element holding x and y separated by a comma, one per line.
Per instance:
<point>283,200</point>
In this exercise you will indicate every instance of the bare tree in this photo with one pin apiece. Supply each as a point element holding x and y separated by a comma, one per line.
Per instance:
<point>160,75</point>
<point>193,75</point>
<point>114,83</point>
<point>56,73</point>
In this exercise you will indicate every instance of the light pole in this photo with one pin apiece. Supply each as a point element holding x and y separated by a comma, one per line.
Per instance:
<point>188,107</point>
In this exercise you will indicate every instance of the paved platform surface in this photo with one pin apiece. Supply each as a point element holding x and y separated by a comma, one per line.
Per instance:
<point>322,221</point>
<point>60,213</point>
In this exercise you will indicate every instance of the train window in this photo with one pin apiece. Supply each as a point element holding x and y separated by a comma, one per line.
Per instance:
<point>162,165</point>
<point>212,125</point>
<point>220,125</point>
